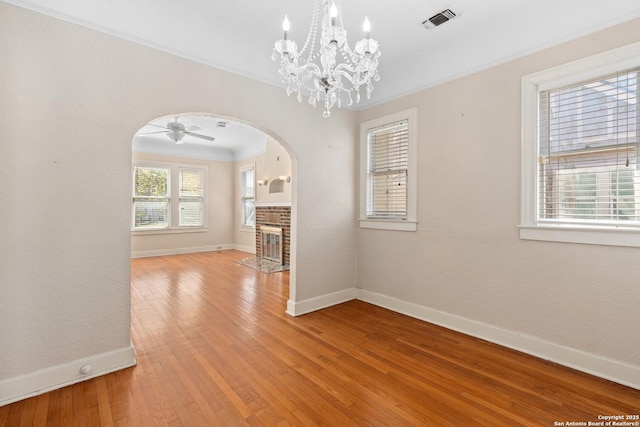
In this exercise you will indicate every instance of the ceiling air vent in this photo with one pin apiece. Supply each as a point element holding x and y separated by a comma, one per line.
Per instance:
<point>439,18</point>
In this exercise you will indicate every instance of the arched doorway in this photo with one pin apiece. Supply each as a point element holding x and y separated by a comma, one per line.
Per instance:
<point>227,155</point>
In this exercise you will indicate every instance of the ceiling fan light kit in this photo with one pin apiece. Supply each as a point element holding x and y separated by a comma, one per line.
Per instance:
<point>329,80</point>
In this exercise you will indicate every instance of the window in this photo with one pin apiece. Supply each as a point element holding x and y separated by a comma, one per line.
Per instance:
<point>150,198</point>
<point>155,186</point>
<point>247,176</point>
<point>580,177</point>
<point>387,165</point>
<point>388,172</point>
<point>191,197</point>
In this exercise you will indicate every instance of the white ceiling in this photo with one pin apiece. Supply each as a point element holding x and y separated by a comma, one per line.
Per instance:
<point>238,35</point>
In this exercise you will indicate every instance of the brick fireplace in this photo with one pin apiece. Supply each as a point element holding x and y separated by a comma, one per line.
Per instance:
<point>274,217</point>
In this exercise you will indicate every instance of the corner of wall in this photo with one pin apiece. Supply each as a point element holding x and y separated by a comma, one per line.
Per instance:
<point>298,308</point>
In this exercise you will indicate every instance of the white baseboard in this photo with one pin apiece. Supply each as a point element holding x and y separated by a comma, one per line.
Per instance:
<point>55,377</point>
<point>242,248</point>
<point>179,251</point>
<point>610,369</point>
<point>318,303</point>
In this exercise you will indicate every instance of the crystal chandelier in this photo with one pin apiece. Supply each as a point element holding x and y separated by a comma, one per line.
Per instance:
<point>328,80</point>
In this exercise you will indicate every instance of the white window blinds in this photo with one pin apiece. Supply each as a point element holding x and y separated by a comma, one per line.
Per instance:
<point>191,194</point>
<point>587,151</point>
<point>387,169</point>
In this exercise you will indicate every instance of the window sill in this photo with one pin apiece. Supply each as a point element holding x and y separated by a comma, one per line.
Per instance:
<point>589,235</point>
<point>169,231</point>
<point>247,229</point>
<point>381,224</point>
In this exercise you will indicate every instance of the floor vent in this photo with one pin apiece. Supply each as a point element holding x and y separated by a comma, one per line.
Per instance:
<point>439,18</point>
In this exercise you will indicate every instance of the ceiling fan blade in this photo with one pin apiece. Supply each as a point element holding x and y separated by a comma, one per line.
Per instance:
<point>151,133</point>
<point>197,135</point>
<point>192,128</point>
<point>159,126</point>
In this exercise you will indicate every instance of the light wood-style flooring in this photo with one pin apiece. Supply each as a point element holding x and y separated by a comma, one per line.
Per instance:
<point>215,348</point>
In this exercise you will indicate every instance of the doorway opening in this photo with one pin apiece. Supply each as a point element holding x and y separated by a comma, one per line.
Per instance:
<point>205,159</point>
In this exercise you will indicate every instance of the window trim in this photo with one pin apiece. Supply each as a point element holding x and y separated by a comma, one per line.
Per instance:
<point>173,198</point>
<point>411,221</point>
<point>563,75</point>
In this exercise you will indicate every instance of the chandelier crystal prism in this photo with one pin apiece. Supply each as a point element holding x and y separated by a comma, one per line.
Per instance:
<point>334,72</point>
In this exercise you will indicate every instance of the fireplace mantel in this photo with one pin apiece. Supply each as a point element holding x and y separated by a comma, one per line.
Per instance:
<point>272,204</point>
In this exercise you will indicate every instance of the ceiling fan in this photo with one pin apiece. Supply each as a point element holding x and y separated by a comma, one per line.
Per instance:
<point>176,131</point>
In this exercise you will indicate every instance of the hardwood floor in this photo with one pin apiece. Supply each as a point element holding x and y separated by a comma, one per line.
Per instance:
<point>214,347</point>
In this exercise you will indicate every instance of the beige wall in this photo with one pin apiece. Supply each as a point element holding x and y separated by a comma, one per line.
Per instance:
<point>71,100</point>
<point>466,260</point>
<point>220,213</point>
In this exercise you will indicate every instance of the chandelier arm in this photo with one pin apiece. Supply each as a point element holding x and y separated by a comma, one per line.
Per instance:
<point>345,70</point>
<point>312,68</point>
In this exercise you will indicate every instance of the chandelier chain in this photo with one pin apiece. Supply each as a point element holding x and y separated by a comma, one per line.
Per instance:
<point>311,37</point>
